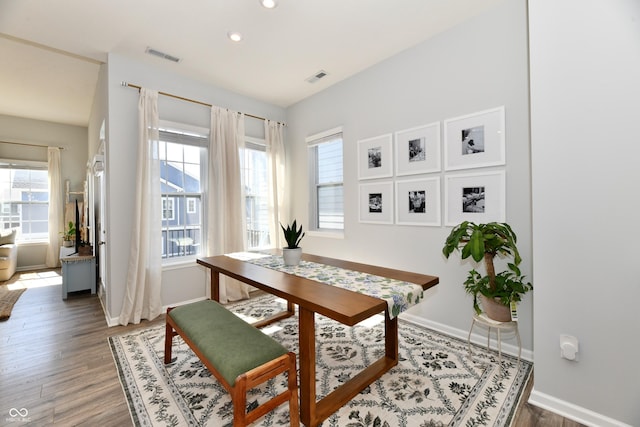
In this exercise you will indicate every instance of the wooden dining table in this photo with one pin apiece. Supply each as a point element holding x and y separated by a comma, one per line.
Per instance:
<point>311,297</point>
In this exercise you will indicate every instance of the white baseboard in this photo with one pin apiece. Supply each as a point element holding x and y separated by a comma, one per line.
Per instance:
<point>476,338</point>
<point>571,411</point>
<point>164,308</point>
<point>32,267</point>
<point>115,321</point>
<point>110,320</point>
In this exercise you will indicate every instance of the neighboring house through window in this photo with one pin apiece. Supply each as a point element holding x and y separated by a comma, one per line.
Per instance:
<point>24,199</point>
<point>326,181</point>
<point>183,157</point>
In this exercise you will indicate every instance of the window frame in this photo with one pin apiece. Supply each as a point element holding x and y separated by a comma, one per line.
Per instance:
<point>194,136</point>
<point>42,166</point>
<point>256,144</point>
<point>313,141</point>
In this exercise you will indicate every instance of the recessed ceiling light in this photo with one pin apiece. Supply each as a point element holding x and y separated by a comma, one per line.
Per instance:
<point>269,4</point>
<point>234,36</point>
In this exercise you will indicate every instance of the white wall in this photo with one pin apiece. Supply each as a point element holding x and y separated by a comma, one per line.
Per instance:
<point>585,110</point>
<point>178,284</point>
<point>98,112</point>
<point>478,65</point>
<point>97,119</point>
<point>73,159</point>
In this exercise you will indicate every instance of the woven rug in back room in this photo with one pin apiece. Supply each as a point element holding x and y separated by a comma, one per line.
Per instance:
<point>9,295</point>
<point>12,289</point>
<point>434,384</point>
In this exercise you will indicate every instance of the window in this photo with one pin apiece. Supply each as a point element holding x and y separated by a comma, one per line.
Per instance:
<point>191,205</point>
<point>326,182</point>
<point>168,209</point>
<point>183,153</point>
<point>253,164</point>
<point>24,201</point>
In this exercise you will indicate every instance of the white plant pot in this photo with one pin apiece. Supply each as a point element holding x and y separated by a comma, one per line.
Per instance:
<point>291,256</point>
<point>67,243</point>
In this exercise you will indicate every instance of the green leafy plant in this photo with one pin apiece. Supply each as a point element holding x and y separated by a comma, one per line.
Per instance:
<point>69,233</point>
<point>292,234</point>
<point>485,242</point>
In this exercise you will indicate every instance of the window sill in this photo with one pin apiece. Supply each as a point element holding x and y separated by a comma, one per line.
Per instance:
<point>327,234</point>
<point>176,265</point>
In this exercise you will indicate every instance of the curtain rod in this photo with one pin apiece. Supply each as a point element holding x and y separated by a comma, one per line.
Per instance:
<point>182,98</point>
<point>31,145</point>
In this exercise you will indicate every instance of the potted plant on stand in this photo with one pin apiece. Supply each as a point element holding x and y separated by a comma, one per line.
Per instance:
<point>292,253</point>
<point>485,242</point>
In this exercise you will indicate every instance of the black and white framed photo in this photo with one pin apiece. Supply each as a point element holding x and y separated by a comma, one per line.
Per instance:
<point>475,140</point>
<point>418,150</point>
<point>375,157</point>
<point>479,198</point>
<point>418,202</point>
<point>376,202</point>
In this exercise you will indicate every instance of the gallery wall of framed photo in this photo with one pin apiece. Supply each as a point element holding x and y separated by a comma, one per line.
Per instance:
<point>400,173</point>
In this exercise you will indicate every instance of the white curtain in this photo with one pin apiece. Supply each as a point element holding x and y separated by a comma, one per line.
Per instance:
<point>274,139</point>
<point>225,201</point>
<point>142,299</point>
<point>55,207</point>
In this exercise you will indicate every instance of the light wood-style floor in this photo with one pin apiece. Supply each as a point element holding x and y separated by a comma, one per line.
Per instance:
<point>55,362</point>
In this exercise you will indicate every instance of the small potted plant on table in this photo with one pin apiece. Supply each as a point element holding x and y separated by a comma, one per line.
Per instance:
<point>485,242</point>
<point>292,234</point>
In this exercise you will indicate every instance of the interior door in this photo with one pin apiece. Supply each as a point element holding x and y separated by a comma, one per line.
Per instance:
<point>98,203</point>
<point>101,231</point>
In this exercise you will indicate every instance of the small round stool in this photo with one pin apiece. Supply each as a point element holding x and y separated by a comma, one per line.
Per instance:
<point>482,319</point>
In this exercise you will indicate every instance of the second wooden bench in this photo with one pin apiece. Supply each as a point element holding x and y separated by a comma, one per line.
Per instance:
<point>239,355</point>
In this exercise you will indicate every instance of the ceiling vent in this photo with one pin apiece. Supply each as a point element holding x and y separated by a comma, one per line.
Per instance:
<point>317,76</point>
<point>162,55</point>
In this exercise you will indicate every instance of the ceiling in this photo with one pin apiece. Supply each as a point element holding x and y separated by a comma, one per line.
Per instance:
<point>51,51</point>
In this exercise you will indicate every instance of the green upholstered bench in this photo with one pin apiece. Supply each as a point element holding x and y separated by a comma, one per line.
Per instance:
<point>239,355</point>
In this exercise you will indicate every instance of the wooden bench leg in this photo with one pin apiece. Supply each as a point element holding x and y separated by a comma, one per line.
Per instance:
<point>259,375</point>
<point>294,409</point>
<point>239,399</point>
<point>168,338</point>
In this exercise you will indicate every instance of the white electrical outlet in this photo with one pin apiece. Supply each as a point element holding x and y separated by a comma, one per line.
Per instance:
<point>568,347</point>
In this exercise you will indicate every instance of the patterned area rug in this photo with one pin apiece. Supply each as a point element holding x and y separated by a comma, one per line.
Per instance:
<point>435,383</point>
<point>8,298</point>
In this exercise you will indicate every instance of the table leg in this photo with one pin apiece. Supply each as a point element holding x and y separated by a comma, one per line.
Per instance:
<point>391,338</point>
<point>307,356</point>
<point>215,285</point>
<point>313,412</point>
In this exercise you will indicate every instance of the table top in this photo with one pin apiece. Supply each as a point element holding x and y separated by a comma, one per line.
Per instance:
<point>343,305</point>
